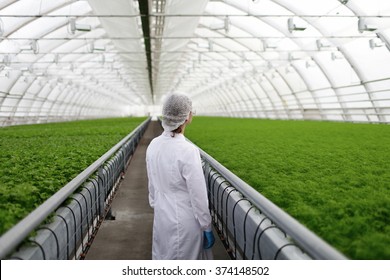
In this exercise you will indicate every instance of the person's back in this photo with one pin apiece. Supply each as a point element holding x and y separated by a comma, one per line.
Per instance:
<point>170,155</point>
<point>177,192</point>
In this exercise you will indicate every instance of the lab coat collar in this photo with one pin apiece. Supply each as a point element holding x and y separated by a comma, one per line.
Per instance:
<point>177,135</point>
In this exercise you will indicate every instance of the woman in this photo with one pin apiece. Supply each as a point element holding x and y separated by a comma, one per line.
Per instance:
<point>177,188</point>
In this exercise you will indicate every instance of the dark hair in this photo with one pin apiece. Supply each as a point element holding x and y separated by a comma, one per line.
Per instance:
<point>177,130</point>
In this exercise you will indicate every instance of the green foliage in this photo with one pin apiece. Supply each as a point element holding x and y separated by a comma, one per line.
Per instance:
<point>37,160</point>
<point>332,177</point>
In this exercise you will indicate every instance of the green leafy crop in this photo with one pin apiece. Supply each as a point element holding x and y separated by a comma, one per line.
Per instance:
<point>37,160</point>
<point>332,177</point>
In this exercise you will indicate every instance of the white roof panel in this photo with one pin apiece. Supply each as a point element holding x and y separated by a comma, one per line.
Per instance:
<point>279,55</point>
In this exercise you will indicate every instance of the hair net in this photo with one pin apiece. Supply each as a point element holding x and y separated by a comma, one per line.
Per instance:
<point>176,110</point>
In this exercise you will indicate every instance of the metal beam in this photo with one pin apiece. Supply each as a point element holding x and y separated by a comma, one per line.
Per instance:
<point>144,10</point>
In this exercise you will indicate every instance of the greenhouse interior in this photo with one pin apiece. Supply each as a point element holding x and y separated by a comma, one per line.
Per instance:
<point>291,113</point>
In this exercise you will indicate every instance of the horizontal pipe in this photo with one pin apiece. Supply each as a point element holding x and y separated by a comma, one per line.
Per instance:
<point>304,238</point>
<point>191,15</point>
<point>14,236</point>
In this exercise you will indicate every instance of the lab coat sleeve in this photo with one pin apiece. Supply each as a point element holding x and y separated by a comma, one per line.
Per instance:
<point>193,174</point>
<point>150,183</point>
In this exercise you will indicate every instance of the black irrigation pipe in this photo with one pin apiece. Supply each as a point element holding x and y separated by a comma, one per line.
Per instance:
<point>81,224</point>
<point>96,200</point>
<point>221,203</point>
<point>234,225</point>
<point>109,175</point>
<point>258,243</point>
<point>86,211</point>
<point>102,188</point>
<point>74,233</point>
<point>220,216</point>
<point>227,215</point>
<point>67,235</point>
<point>104,176</point>
<point>40,247</point>
<point>281,248</point>
<point>218,188</point>
<point>210,178</point>
<point>55,237</point>
<point>218,191</point>
<point>246,216</point>
<point>108,169</point>
<point>254,237</point>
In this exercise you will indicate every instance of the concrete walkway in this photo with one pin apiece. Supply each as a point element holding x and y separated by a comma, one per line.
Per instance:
<point>129,236</point>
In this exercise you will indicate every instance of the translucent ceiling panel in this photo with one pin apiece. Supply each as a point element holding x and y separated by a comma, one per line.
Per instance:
<point>311,74</point>
<point>280,84</point>
<point>41,48</point>
<point>373,62</point>
<point>126,34</point>
<point>283,59</point>
<point>338,69</point>
<point>169,52</point>
<point>294,80</point>
<point>372,7</point>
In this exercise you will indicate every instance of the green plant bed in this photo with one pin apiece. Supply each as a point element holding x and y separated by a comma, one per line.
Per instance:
<point>37,160</point>
<point>332,177</point>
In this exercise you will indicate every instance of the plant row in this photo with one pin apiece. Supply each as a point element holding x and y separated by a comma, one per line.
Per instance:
<point>332,177</point>
<point>37,160</point>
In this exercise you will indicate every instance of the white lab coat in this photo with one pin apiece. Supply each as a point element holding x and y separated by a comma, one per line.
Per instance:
<point>178,194</point>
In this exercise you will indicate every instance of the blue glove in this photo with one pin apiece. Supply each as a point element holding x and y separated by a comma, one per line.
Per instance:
<point>208,239</point>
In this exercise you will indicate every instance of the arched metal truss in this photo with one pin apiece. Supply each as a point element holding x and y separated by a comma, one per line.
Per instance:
<point>67,59</point>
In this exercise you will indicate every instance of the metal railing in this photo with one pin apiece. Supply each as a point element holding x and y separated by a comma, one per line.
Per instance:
<point>252,227</point>
<point>66,223</point>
